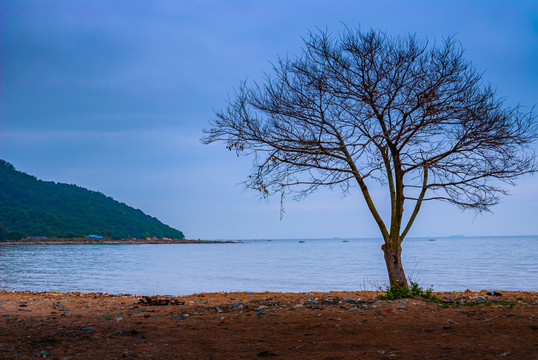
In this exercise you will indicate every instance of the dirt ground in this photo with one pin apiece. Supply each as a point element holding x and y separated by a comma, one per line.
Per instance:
<point>335,325</point>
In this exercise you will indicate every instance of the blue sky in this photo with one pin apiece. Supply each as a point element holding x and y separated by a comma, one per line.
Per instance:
<point>113,96</point>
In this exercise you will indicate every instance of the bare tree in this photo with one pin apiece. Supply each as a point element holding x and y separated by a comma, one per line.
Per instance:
<point>363,107</point>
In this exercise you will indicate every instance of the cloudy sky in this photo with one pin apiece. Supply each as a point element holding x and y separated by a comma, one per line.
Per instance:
<point>113,96</point>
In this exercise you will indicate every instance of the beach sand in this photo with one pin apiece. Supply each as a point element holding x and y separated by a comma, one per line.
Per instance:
<point>335,325</point>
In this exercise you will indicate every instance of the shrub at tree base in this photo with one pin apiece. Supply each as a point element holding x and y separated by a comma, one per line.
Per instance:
<point>398,292</point>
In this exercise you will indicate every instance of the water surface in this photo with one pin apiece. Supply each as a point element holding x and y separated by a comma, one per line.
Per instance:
<point>493,263</point>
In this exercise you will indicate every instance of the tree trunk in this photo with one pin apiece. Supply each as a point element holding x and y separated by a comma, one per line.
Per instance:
<point>395,269</point>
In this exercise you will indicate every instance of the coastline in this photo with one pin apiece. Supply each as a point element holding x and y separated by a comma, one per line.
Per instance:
<point>95,241</point>
<point>314,325</point>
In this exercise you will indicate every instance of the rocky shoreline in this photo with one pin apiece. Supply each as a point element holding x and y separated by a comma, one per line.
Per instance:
<point>94,241</point>
<point>334,325</point>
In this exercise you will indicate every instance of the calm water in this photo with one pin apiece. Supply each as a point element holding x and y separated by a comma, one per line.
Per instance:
<point>497,263</point>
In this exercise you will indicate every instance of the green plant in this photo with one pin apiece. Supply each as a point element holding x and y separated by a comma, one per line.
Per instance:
<point>395,292</point>
<point>511,303</point>
<point>398,292</point>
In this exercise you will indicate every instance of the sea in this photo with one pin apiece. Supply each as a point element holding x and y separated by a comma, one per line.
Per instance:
<point>298,265</point>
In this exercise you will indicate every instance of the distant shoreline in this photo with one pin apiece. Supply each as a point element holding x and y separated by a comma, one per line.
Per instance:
<point>94,241</point>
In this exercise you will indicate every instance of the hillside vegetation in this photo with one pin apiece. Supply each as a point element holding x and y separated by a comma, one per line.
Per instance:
<point>32,207</point>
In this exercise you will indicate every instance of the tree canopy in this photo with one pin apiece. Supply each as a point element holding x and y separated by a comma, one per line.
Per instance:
<point>364,107</point>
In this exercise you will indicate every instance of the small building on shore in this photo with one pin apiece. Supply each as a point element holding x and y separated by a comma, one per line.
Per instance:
<point>95,236</point>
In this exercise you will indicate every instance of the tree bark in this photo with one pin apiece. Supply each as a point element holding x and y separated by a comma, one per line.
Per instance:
<point>395,269</point>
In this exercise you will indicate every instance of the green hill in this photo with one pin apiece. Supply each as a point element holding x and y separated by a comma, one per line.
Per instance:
<point>32,207</point>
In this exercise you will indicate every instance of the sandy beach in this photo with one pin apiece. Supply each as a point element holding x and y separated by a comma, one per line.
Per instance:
<point>334,325</point>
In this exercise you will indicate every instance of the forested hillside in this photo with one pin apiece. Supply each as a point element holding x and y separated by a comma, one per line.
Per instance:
<point>32,207</point>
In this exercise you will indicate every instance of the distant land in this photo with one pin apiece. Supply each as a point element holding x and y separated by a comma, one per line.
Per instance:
<point>34,209</point>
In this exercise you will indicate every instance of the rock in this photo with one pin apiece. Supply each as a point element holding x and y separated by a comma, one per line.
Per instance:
<point>267,353</point>
<point>156,300</point>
